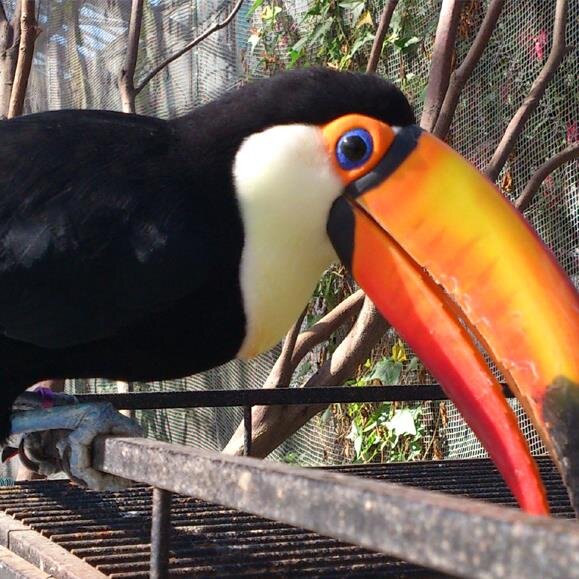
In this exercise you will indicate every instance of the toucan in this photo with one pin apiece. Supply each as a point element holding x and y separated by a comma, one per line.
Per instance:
<point>140,249</point>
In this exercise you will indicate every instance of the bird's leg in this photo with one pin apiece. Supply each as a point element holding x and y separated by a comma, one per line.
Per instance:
<point>72,430</point>
<point>42,398</point>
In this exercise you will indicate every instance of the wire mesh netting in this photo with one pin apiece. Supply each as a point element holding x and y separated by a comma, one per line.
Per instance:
<point>81,51</point>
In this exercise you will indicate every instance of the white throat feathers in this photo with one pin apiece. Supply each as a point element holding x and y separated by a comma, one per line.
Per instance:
<point>285,186</point>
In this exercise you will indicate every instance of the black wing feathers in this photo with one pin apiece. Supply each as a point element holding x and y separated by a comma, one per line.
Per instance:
<point>97,225</point>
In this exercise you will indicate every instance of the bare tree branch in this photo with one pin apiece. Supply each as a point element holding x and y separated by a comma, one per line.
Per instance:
<point>282,371</point>
<point>127,74</point>
<point>28,33</point>
<point>189,46</point>
<point>383,26</point>
<point>274,424</point>
<point>316,334</point>
<point>9,43</point>
<point>441,62</point>
<point>324,328</point>
<point>517,123</point>
<point>568,154</point>
<point>460,76</point>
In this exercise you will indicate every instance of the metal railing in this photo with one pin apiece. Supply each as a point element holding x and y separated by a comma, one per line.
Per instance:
<point>454,535</point>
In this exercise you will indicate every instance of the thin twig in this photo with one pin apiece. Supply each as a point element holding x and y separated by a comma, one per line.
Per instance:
<point>568,154</point>
<point>460,76</point>
<point>517,123</point>
<point>441,61</point>
<point>282,371</point>
<point>127,74</point>
<point>383,26</point>
<point>29,32</point>
<point>189,46</point>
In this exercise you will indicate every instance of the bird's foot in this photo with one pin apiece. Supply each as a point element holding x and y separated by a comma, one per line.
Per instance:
<point>60,438</point>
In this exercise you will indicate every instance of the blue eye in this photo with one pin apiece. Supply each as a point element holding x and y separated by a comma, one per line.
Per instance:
<point>354,148</point>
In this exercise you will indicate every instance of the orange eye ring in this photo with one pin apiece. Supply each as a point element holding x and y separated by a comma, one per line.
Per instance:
<point>381,135</point>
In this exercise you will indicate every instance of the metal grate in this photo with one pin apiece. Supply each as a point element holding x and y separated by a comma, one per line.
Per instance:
<point>111,531</point>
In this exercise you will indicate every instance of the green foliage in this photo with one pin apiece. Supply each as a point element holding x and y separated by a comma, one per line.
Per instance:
<point>388,431</point>
<point>291,457</point>
<point>335,34</point>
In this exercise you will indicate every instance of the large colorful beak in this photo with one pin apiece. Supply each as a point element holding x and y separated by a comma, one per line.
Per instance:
<point>449,262</point>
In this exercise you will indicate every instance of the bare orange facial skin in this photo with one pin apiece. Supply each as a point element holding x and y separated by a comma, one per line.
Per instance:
<point>432,243</point>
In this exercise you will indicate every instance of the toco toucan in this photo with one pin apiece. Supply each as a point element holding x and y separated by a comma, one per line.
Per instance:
<point>140,249</point>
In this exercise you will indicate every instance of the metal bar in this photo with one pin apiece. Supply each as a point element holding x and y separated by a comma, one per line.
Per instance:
<point>269,396</point>
<point>247,433</point>
<point>160,533</point>
<point>42,552</point>
<point>14,567</point>
<point>454,535</point>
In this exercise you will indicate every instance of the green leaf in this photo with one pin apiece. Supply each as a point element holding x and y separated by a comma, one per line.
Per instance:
<point>253,41</point>
<point>411,41</point>
<point>297,47</point>
<point>321,30</point>
<point>402,423</point>
<point>387,371</point>
<point>256,4</point>
<point>356,7</point>
<point>413,364</point>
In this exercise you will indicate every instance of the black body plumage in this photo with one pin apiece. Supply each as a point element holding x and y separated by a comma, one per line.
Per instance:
<point>120,235</point>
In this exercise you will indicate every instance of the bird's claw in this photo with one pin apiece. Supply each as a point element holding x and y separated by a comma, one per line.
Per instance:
<point>70,449</point>
<point>75,449</point>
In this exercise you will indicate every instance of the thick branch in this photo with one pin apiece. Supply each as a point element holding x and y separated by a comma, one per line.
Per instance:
<point>189,46</point>
<point>517,123</point>
<point>28,33</point>
<point>306,341</point>
<point>525,198</point>
<point>460,76</point>
<point>127,74</point>
<point>324,328</point>
<point>441,61</point>
<point>274,424</point>
<point>383,26</point>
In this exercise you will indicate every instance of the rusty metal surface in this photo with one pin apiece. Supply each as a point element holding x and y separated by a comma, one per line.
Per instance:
<point>38,550</point>
<point>112,531</point>
<point>442,532</point>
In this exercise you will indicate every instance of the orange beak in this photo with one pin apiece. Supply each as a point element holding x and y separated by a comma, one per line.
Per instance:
<point>446,258</point>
